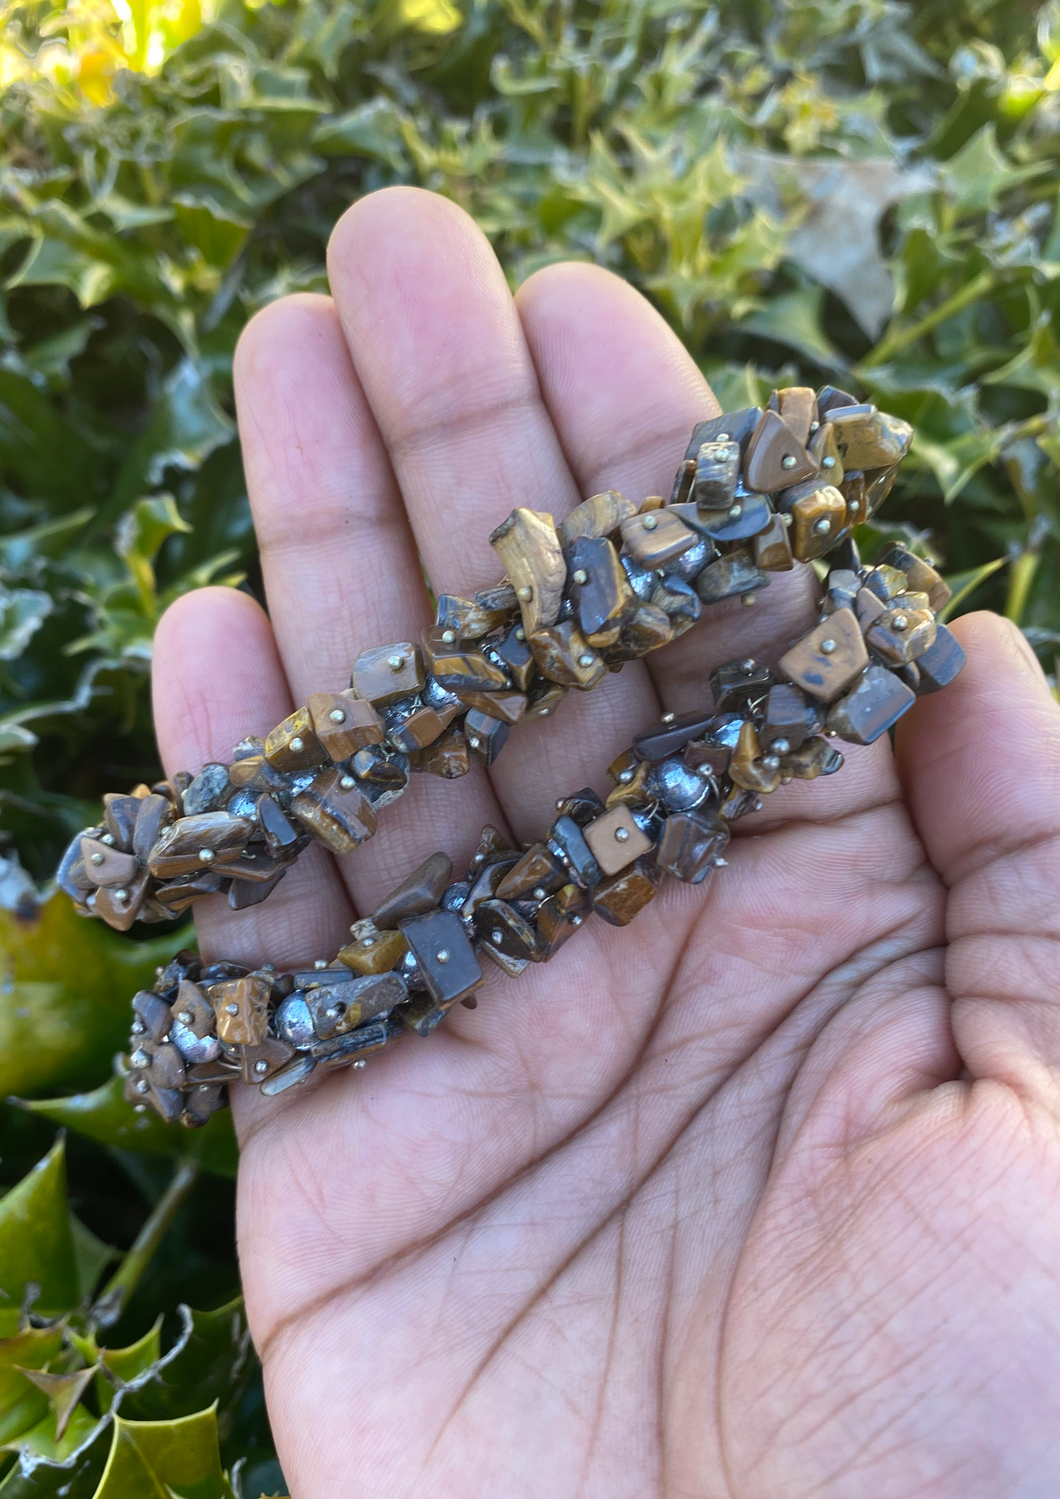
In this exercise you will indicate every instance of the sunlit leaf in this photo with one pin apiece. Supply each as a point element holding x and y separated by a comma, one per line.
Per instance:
<point>36,1243</point>
<point>152,1459</point>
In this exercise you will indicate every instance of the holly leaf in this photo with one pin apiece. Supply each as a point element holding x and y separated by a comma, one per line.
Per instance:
<point>22,1403</point>
<point>67,986</point>
<point>36,1241</point>
<point>74,1477</point>
<point>208,1362</point>
<point>105,1116</point>
<point>175,1459</point>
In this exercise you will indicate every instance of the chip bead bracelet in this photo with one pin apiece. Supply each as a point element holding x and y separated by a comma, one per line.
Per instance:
<point>757,491</point>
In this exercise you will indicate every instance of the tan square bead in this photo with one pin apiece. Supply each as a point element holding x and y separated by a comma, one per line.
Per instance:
<point>372,951</point>
<point>772,548</point>
<point>825,662</point>
<point>388,672</point>
<point>530,549</point>
<point>615,839</point>
<point>656,538</point>
<point>242,1010</point>
<point>816,521</point>
<point>292,745</point>
<point>344,723</point>
<point>798,410</point>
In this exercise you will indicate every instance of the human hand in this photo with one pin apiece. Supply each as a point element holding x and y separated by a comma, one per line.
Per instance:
<point>757,1198</point>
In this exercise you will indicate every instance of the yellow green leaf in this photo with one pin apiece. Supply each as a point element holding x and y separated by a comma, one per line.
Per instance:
<point>164,1459</point>
<point>36,1243</point>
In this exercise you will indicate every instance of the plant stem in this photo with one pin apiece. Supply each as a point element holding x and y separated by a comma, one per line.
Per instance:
<point>901,338</point>
<point>114,1297</point>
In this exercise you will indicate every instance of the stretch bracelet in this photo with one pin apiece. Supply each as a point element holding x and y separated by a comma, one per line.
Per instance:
<point>757,491</point>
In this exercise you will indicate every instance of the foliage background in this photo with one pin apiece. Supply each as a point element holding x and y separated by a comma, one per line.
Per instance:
<point>860,191</point>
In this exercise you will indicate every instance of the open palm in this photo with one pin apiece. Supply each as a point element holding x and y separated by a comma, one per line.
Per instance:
<point>757,1199</point>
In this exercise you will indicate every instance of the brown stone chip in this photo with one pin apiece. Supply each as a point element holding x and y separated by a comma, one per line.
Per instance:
<point>825,662</point>
<point>529,547</point>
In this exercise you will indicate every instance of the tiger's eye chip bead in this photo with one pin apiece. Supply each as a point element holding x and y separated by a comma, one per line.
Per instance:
<point>757,491</point>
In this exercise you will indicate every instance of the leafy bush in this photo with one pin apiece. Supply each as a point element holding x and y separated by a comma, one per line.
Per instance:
<point>852,190</point>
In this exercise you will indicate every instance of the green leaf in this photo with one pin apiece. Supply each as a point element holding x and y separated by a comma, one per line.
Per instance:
<point>965,583</point>
<point>105,1116</point>
<point>76,1477</point>
<point>126,1364</point>
<point>175,1459</point>
<point>795,319</point>
<point>22,612</point>
<point>67,986</point>
<point>208,1362</point>
<point>185,427</point>
<point>216,234</point>
<point>22,1404</point>
<point>60,1433</point>
<point>36,1242</point>
<point>92,1256</point>
<point>140,535</point>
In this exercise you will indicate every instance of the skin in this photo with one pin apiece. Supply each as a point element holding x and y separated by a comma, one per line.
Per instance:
<point>759,1197</point>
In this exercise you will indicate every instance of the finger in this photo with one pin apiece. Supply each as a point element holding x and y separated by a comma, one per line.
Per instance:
<point>981,767</point>
<point>339,559</point>
<point>440,352</point>
<point>624,395</point>
<point>216,678</point>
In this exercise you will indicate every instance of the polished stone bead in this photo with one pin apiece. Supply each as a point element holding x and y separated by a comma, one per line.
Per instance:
<point>292,745</point>
<point>417,894</point>
<point>816,521</point>
<point>198,843</point>
<point>648,630</point>
<point>735,684</point>
<point>447,757</point>
<point>679,601</point>
<point>121,905</point>
<point>886,582</point>
<point>825,661</point>
<point>434,695</point>
<point>615,840</point>
<point>816,757</point>
<point>265,1059</point>
<point>920,575</point>
<point>941,662</point>
<point>384,777</point>
<point>619,897</point>
<point>798,410</point>
<point>684,568</point>
<point>633,792</point>
<point>167,1102</point>
<point>853,491</point>
<point>255,771</point>
<point>684,479</point>
<point>731,426</point>
<point>340,816</point>
<point>387,673</point>
<point>460,670</point>
<point>184,964</point>
<point>878,485</point>
<point>295,1072</point>
<point>875,703</point>
<point>498,596</point>
<point>156,813</point>
<point>716,473</point>
<point>583,806</point>
<point>422,1015</point>
<point>751,769</point>
<point>748,515</point>
<point>901,634</point>
<point>256,865</point>
<point>176,787</point>
<point>689,844</point>
<point>678,786</point>
<point>241,1008</point>
<point>153,1012</point>
<point>372,950</point>
<point>508,934</point>
<point>775,458</point>
<point>708,756</point>
<point>569,840</point>
<point>120,814</point>
<point>486,881</point>
<point>207,791</point>
<point>671,735</point>
<point>599,515</point>
<point>182,893</point>
<point>739,803</point>
<point>536,870</point>
<point>245,893</point>
<point>867,607</point>
<point>515,656</point>
<point>486,735</point>
<point>830,397</point>
<point>105,865</point>
<point>340,1051</point>
<point>868,438</point>
<point>544,698</point>
<point>414,731</point>
<point>529,547</point>
<point>563,655</point>
<point>824,450</point>
<point>343,723</point>
<point>559,917</point>
<point>280,833</point>
<point>656,538</point>
<point>444,955</point>
<point>71,876</point>
<point>729,575</point>
<point>599,589</point>
<point>192,1010</point>
<point>467,618</point>
<point>772,547</point>
<point>165,1068</point>
<point>201,1101</point>
<point>785,717</point>
<point>340,1007</point>
<point>843,587</point>
<point>643,580</point>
